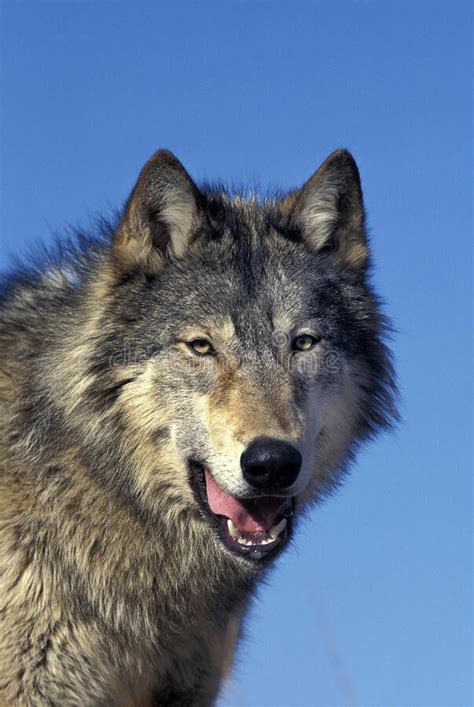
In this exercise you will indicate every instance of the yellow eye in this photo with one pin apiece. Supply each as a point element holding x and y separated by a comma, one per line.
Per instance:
<point>305,342</point>
<point>201,347</point>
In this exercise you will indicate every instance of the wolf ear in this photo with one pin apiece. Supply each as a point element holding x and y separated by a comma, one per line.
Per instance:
<point>161,215</point>
<point>329,210</point>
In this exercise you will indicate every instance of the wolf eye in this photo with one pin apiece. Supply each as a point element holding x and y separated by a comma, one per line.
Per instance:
<point>305,342</point>
<point>201,347</point>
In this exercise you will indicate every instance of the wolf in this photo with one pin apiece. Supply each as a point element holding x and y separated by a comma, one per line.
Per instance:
<point>177,387</point>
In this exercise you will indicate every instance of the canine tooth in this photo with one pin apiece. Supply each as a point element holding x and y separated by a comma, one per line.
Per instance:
<point>232,529</point>
<point>278,528</point>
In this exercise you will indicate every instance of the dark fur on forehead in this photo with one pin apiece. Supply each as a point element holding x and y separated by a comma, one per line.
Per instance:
<point>239,214</point>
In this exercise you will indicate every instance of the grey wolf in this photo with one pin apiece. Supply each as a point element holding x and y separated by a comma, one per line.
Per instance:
<point>176,389</point>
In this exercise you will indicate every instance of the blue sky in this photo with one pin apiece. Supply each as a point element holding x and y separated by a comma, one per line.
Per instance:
<point>373,606</point>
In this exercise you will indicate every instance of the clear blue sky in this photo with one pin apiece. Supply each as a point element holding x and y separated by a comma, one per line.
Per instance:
<point>374,605</point>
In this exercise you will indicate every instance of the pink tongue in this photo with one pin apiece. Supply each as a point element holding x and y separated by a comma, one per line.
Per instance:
<point>256,516</point>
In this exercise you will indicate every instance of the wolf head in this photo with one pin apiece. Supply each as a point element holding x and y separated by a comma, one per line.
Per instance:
<point>239,349</point>
<point>214,363</point>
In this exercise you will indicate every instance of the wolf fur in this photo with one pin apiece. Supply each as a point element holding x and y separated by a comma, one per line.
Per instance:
<point>115,587</point>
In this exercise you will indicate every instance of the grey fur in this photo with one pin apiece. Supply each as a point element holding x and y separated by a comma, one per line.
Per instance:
<point>115,588</point>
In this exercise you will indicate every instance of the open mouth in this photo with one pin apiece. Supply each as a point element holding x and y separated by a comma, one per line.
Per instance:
<point>252,527</point>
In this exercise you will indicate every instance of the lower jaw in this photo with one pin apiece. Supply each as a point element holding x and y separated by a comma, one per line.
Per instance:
<point>255,553</point>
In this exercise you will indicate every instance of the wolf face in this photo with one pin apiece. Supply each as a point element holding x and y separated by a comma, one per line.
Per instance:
<point>243,347</point>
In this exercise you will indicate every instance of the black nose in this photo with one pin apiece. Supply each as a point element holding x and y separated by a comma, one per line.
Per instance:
<point>270,464</point>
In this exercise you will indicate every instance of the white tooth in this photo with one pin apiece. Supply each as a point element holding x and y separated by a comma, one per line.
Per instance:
<point>278,528</point>
<point>232,529</point>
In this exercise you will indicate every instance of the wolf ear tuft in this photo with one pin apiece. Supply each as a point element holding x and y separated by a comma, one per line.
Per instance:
<point>161,215</point>
<point>329,211</point>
